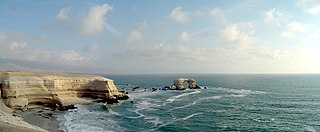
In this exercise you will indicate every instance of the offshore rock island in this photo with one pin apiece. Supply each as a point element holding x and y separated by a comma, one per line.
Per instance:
<point>178,84</point>
<point>21,90</point>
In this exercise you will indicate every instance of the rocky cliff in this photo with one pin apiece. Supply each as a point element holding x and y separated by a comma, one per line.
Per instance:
<point>20,89</point>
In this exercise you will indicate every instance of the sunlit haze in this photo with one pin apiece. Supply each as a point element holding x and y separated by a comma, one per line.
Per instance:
<point>172,36</point>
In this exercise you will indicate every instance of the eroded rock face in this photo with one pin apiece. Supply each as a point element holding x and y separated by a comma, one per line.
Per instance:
<point>178,83</point>
<point>20,89</point>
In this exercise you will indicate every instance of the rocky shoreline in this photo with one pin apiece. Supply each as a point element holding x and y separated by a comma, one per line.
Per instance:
<point>37,98</point>
<point>43,117</point>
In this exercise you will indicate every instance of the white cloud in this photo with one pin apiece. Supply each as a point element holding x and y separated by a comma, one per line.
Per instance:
<point>134,36</point>
<point>287,34</point>
<point>2,36</point>
<point>63,14</point>
<point>257,59</point>
<point>313,37</point>
<point>314,10</point>
<point>143,26</point>
<point>240,34</point>
<point>95,20</point>
<point>310,6</point>
<point>92,47</point>
<point>216,11</point>
<point>111,29</point>
<point>17,45</point>
<point>179,15</point>
<point>184,37</point>
<point>293,28</point>
<point>13,67</point>
<point>42,37</point>
<point>70,56</point>
<point>273,16</point>
<point>12,48</point>
<point>138,33</point>
<point>164,53</point>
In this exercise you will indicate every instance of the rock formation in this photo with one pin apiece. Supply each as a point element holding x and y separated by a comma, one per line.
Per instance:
<point>178,84</point>
<point>20,89</point>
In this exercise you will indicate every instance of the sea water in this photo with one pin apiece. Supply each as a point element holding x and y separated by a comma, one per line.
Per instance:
<point>230,103</point>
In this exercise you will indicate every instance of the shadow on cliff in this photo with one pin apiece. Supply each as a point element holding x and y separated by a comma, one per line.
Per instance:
<point>95,89</point>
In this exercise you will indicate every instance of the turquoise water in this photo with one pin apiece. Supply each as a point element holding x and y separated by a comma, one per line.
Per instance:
<point>230,103</point>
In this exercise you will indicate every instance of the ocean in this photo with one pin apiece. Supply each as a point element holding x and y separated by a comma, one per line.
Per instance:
<point>230,103</point>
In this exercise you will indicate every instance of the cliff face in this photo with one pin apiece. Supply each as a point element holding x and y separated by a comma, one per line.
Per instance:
<point>20,89</point>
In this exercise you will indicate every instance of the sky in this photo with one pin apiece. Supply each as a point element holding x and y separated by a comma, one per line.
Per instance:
<point>160,36</point>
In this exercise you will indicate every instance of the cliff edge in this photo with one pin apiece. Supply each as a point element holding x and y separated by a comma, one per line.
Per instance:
<point>22,89</point>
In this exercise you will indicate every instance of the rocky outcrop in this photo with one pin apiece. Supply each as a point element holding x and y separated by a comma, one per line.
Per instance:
<point>20,89</point>
<point>178,84</point>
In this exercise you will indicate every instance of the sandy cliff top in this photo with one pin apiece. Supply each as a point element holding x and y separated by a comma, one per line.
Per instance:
<point>49,76</point>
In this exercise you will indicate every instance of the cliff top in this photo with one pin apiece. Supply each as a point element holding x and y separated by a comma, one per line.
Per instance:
<point>49,76</point>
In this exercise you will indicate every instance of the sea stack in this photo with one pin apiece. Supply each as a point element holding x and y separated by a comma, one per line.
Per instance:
<point>178,84</point>
<point>21,89</point>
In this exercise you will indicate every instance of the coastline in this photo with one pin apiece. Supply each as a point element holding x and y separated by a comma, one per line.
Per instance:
<point>43,117</point>
<point>30,104</point>
<point>11,123</point>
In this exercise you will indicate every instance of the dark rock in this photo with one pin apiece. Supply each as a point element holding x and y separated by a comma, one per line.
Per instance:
<point>131,101</point>
<point>125,97</point>
<point>49,114</point>
<point>135,88</point>
<point>154,89</point>
<point>112,101</point>
<point>196,87</point>
<point>15,114</point>
<point>165,88</point>
<point>65,108</point>
<point>100,101</point>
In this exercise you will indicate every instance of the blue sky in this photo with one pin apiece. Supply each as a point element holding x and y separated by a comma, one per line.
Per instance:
<point>141,36</point>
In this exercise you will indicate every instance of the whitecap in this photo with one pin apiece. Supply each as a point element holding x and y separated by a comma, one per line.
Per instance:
<point>239,92</point>
<point>175,120</point>
<point>86,120</point>
<point>310,129</point>
<point>173,98</point>
<point>155,120</point>
<point>181,107</point>
<point>192,115</point>
<point>114,113</point>
<point>212,97</point>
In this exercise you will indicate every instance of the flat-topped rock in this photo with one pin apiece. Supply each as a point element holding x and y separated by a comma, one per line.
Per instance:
<point>20,89</point>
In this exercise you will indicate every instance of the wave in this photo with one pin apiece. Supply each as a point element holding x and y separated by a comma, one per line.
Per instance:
<point>138,94</point>
<point>85,119</point>
<point>239,91</point>
<point>181,107</point>
<point>175,120</point>
<point>114,113</point>
<point>192,115</point>
<point>173,98</point>
<point>155,120</point>
<point>212,97</point>
<point>144,104</point>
